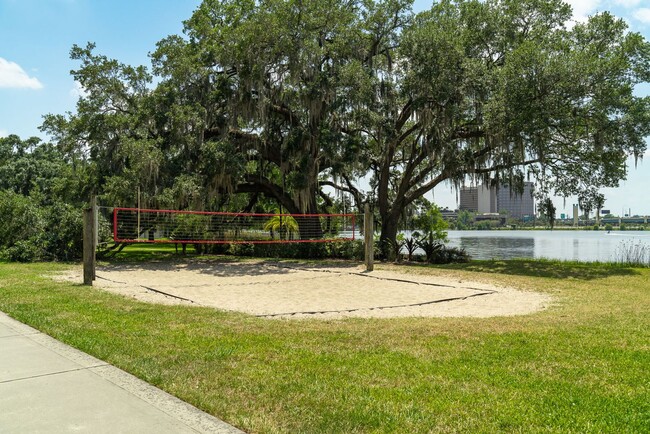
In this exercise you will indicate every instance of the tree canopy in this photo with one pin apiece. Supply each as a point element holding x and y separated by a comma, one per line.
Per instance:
<point>39,201</point>
<point>268,103</point>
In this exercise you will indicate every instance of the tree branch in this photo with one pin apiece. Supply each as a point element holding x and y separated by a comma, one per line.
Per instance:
<point>257,184</point>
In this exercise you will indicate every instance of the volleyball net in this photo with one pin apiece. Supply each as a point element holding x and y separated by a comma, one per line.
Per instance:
<point>133,225</point>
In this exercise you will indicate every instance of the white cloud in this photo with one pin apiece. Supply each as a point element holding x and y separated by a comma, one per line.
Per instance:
<point>78,91</point>
<point>583,8</point>
<point>3,133</point>
<point>13,76</point>
<point>627,3</point>
<point>643,15</point>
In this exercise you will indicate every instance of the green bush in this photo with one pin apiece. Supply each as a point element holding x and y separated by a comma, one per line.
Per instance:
<point>24,251</point>
<point>30,232</point>
<point>486,225</point>
<point>21,218</point>
<point>333,250</point>
<point>242,249</point>
<point>448,255</point>
<point>608,227</point>
<point>64,232</point>
<point>437,252</point>
<point>346,250</point>
<point>22,228</point>
<point>430,246</point>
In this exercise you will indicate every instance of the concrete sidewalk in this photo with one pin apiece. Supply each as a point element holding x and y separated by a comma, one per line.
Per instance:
<point>49,387</point>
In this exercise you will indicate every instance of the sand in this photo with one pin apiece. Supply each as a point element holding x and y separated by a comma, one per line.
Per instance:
<point>283,290</point>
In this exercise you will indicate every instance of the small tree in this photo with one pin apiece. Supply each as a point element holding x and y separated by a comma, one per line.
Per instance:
<point>547,209</point>
<point>432,223</point>
<point>465,220</point>
<point>599,202</point>
<point>434,229</point>
<point>585,202</point>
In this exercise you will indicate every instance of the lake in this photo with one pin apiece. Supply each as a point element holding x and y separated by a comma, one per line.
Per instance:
<point>559,244</point>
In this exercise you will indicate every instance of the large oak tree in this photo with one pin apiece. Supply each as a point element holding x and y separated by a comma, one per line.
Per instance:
<point>503,91</point>
<point>278,98</point>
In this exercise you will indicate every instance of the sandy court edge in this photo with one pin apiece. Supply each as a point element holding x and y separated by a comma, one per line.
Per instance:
<point>287,290</point>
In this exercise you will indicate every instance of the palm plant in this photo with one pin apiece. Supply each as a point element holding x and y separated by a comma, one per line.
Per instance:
<point>284,225</point>
<point>411,244</point>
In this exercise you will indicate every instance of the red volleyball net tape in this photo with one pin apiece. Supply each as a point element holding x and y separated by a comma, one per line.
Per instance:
<point>132,225</point>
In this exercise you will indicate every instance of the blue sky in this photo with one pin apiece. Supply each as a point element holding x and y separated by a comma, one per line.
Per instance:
<point>36,37</point>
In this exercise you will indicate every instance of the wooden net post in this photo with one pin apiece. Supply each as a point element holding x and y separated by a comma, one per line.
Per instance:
<point>368,237</point>
<point>89,243</point>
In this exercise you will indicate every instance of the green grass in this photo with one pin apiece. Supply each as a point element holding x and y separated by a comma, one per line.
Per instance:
<point>580,366</point>
<point>138,252</point>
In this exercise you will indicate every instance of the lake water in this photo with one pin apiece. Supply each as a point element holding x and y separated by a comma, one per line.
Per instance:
<point>559,244</point>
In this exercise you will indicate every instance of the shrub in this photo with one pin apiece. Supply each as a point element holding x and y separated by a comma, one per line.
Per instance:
<point>411,245</point>
<point>486,225</point>
<point>242,249</point>
<point>397,246</point>
<point>457,254</point>
<point>448,255</point>
<point>21,229</point>
<point>608,227</point>
<point>64,229</point>
<point>430,246</point>
<point>381,248</point>
<point>29,232</point>
<point>335,250</point>
<point>24,251</point>
<point>437,253</point>
<point>21,218</point>
<point>346,250</point>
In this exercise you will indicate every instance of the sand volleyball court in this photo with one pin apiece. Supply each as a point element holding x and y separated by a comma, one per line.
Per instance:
<point>297,290</point>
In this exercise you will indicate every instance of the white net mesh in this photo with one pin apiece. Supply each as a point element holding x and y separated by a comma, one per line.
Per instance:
<point>168,226</point>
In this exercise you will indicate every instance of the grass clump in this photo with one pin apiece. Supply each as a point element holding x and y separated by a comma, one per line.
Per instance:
<point>580,366</point>
<point>632,253</point>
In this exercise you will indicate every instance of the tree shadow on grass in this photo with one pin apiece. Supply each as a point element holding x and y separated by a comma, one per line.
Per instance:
<point>547,268</point>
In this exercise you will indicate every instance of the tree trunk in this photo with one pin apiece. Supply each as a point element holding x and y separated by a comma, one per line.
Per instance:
<point>388,237</point>
<point>309,228</point>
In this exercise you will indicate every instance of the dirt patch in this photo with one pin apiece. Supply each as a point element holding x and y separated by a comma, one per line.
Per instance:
<point>292,290</point>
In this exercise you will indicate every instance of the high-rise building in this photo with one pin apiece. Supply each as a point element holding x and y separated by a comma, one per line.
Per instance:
<point>468,199</point>
<point>483,199</point>
<point>480,199</point>
<point>516,205</point>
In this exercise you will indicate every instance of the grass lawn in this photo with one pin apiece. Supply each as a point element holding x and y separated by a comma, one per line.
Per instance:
<point>581,366</point>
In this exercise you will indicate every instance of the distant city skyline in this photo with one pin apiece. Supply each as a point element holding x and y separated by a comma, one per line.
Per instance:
<point>629,198</point>
<point>38,35</point>
<point>485,199</point>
